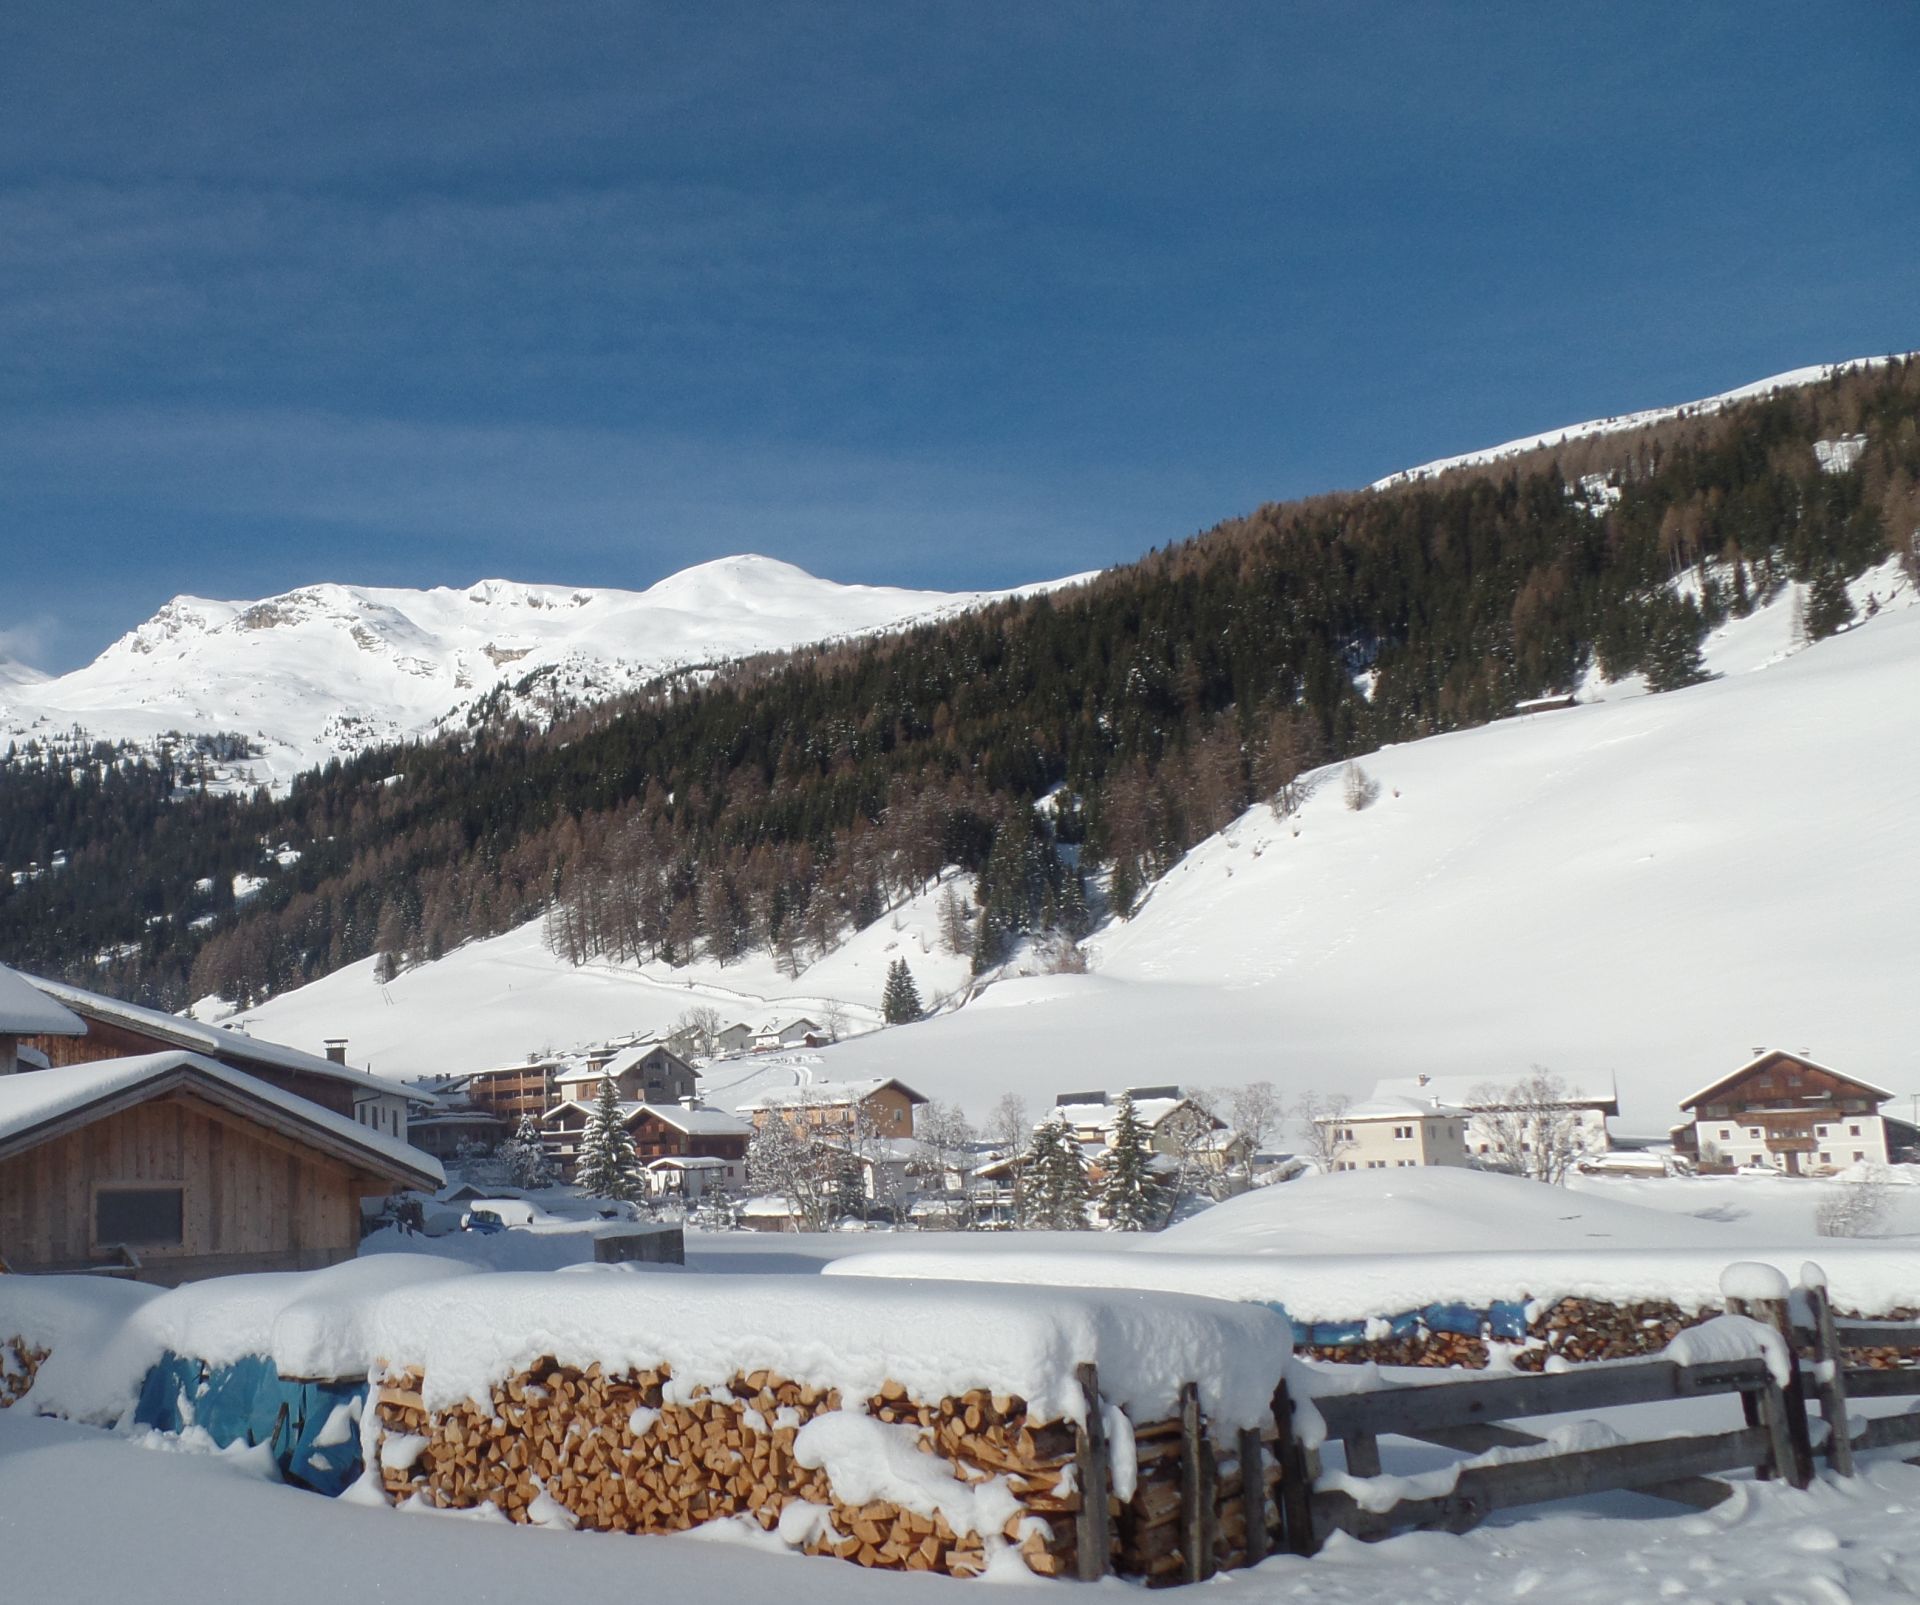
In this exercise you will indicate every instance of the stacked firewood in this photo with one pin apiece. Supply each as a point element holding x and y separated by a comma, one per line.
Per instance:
<point>1150,1536</point>
<point>1875,1357</point>
<point>1421,1347</point>
<point>20,1361</point>
<point>1584,1329</point>
<point>633,1453</point>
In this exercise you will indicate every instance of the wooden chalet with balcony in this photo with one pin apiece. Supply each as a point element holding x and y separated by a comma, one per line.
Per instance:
<point>1783,1111</point>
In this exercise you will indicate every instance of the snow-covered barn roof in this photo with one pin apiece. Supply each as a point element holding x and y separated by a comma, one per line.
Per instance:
<point>1150,1107</point>
<point>27,1011</point>
<point>618,1065</point>
<point>1394,1109</point>
<point>826,1094</point>
<point>1762,1057</point>
<point>40,1104</point>
<point>1593,1091</point>
<point>697,1122</point>
<point>220,1041</point>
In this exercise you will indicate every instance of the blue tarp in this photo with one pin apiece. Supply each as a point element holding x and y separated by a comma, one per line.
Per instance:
<point>250,1402</point>
<point>1504,1319</point>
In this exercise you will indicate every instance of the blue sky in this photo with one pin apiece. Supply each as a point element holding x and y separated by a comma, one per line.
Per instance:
<point>936,295</point>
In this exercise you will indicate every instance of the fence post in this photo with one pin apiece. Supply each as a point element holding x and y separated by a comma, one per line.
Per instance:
<point>1197,1481</point>
<point>1790,1453</point>
<point>1297,1473</point>
<point>1093,1526</point>
<point>1830,1377</point>
<point>1253,1495</point>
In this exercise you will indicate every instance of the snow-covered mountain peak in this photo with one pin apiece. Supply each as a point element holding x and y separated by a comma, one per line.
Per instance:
<point>329,669</point>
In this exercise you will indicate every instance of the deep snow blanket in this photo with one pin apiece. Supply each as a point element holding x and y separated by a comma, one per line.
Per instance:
<point>468,1329</point>
<point>1353,1289</point>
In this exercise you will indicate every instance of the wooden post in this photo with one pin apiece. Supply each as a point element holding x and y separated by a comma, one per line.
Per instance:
<point>1363,1455</point>
<point>1198,1473</point>
<point>1793,1398</point>
<point>1093,1526</point>
<point>1298,1471</point>
<point>1830,1380</point>
<point>1772,1406</point>
<point>1253,1494</point>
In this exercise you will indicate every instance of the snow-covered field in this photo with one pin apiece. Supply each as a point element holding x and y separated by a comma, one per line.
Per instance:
<point>328,670</point>
<point>87,1516</point>
<point>1649,886</point>
<point>191,1526</point>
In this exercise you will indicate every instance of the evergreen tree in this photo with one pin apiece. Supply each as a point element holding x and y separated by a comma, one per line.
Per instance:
<point>1130,1197</point>
<point>1673,646</point>
<point>1829,608</point>
<point>525,1156</point>
<point>900,1003</point>
<point>606,1167</point>
<point>1055,1195</point>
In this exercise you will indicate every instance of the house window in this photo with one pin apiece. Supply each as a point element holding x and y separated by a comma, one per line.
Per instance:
<point>1754,1133</point>
<point>1858,1155</point>
<point>140,1217</point>
<point>1826,1158</point>
<point>1405,1133</point>
<point>1726,1134</point>
<point>1853,1131</point>
<point>1376,1164</point>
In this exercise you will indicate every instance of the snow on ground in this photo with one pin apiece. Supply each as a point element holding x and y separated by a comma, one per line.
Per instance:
<point>1706,407</point>
<point>495,1001</point>
<point>184,1528</point>
<point>328,670</point>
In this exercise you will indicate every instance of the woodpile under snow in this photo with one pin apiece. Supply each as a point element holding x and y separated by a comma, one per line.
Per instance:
<point>633,1453</point>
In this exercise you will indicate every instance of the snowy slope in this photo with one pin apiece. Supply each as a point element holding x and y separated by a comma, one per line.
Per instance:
<point>1703,408</point>
<point>1648,887</point>
<point>494,1001</point>
<point>328,670</point>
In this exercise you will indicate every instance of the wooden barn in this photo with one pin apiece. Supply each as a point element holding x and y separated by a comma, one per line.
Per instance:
<point>172,1166</point>
<point>26,1011</point>
<point>114,1029</point>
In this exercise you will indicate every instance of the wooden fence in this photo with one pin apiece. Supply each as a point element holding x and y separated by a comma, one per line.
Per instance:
<point>1290,1506</point>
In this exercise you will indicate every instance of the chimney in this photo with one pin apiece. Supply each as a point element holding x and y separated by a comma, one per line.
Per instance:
<point>337,1049</point>
<point>1425,1079</point>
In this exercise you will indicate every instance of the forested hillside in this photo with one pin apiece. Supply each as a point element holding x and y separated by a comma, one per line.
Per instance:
<point>793,798</point>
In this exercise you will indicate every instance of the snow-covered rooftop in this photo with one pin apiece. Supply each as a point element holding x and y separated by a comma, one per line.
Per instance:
<point>39,1098</point>
<point>27,1011</point>
<point>825,1094</point>
<point>196,1037</point>
<point>1465,1092</point>
<point>1378,1108</point>
<point>1101,1116</point>
<point>1761,1058</point>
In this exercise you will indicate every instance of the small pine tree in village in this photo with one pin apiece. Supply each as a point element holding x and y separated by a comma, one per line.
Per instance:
<point>606,1167</point>
<point>525,1156</point>
<point>1130,1198</point>
<point>900,1003</point>
<point>1054,1197</point>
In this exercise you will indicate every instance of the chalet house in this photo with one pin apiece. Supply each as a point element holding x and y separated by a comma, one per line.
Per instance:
<point>887,1104</point>
<point>509,1091</point>
<point>117,1030</point>
<point>174,1166</point>
<point>1398,1134</point>
<point>1589,1102</point>
<point>1175,1124</point>
<point>1784,1112</point>
<point>26,1011</point>
<point>441,1119</point>
<point>799,1032</point>
<point>658,1131</point>
<point>735,1038</point>
<point>641,1072</point>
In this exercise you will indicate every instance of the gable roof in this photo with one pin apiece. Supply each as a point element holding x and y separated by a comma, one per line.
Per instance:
<point>1395,1109</point>
<point>1593,1091</point>
<point>26,1011</point>
<point>621,1062</point>
<point>38,1105</point>
<point>696,1122</point>
<point>218,1041</point>
<point>1150,1110</point>
<point>827,1094</point>
<point>1762,1057</point>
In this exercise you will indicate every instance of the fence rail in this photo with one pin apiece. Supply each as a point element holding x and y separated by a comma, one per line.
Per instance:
<point>1776,1440</point>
